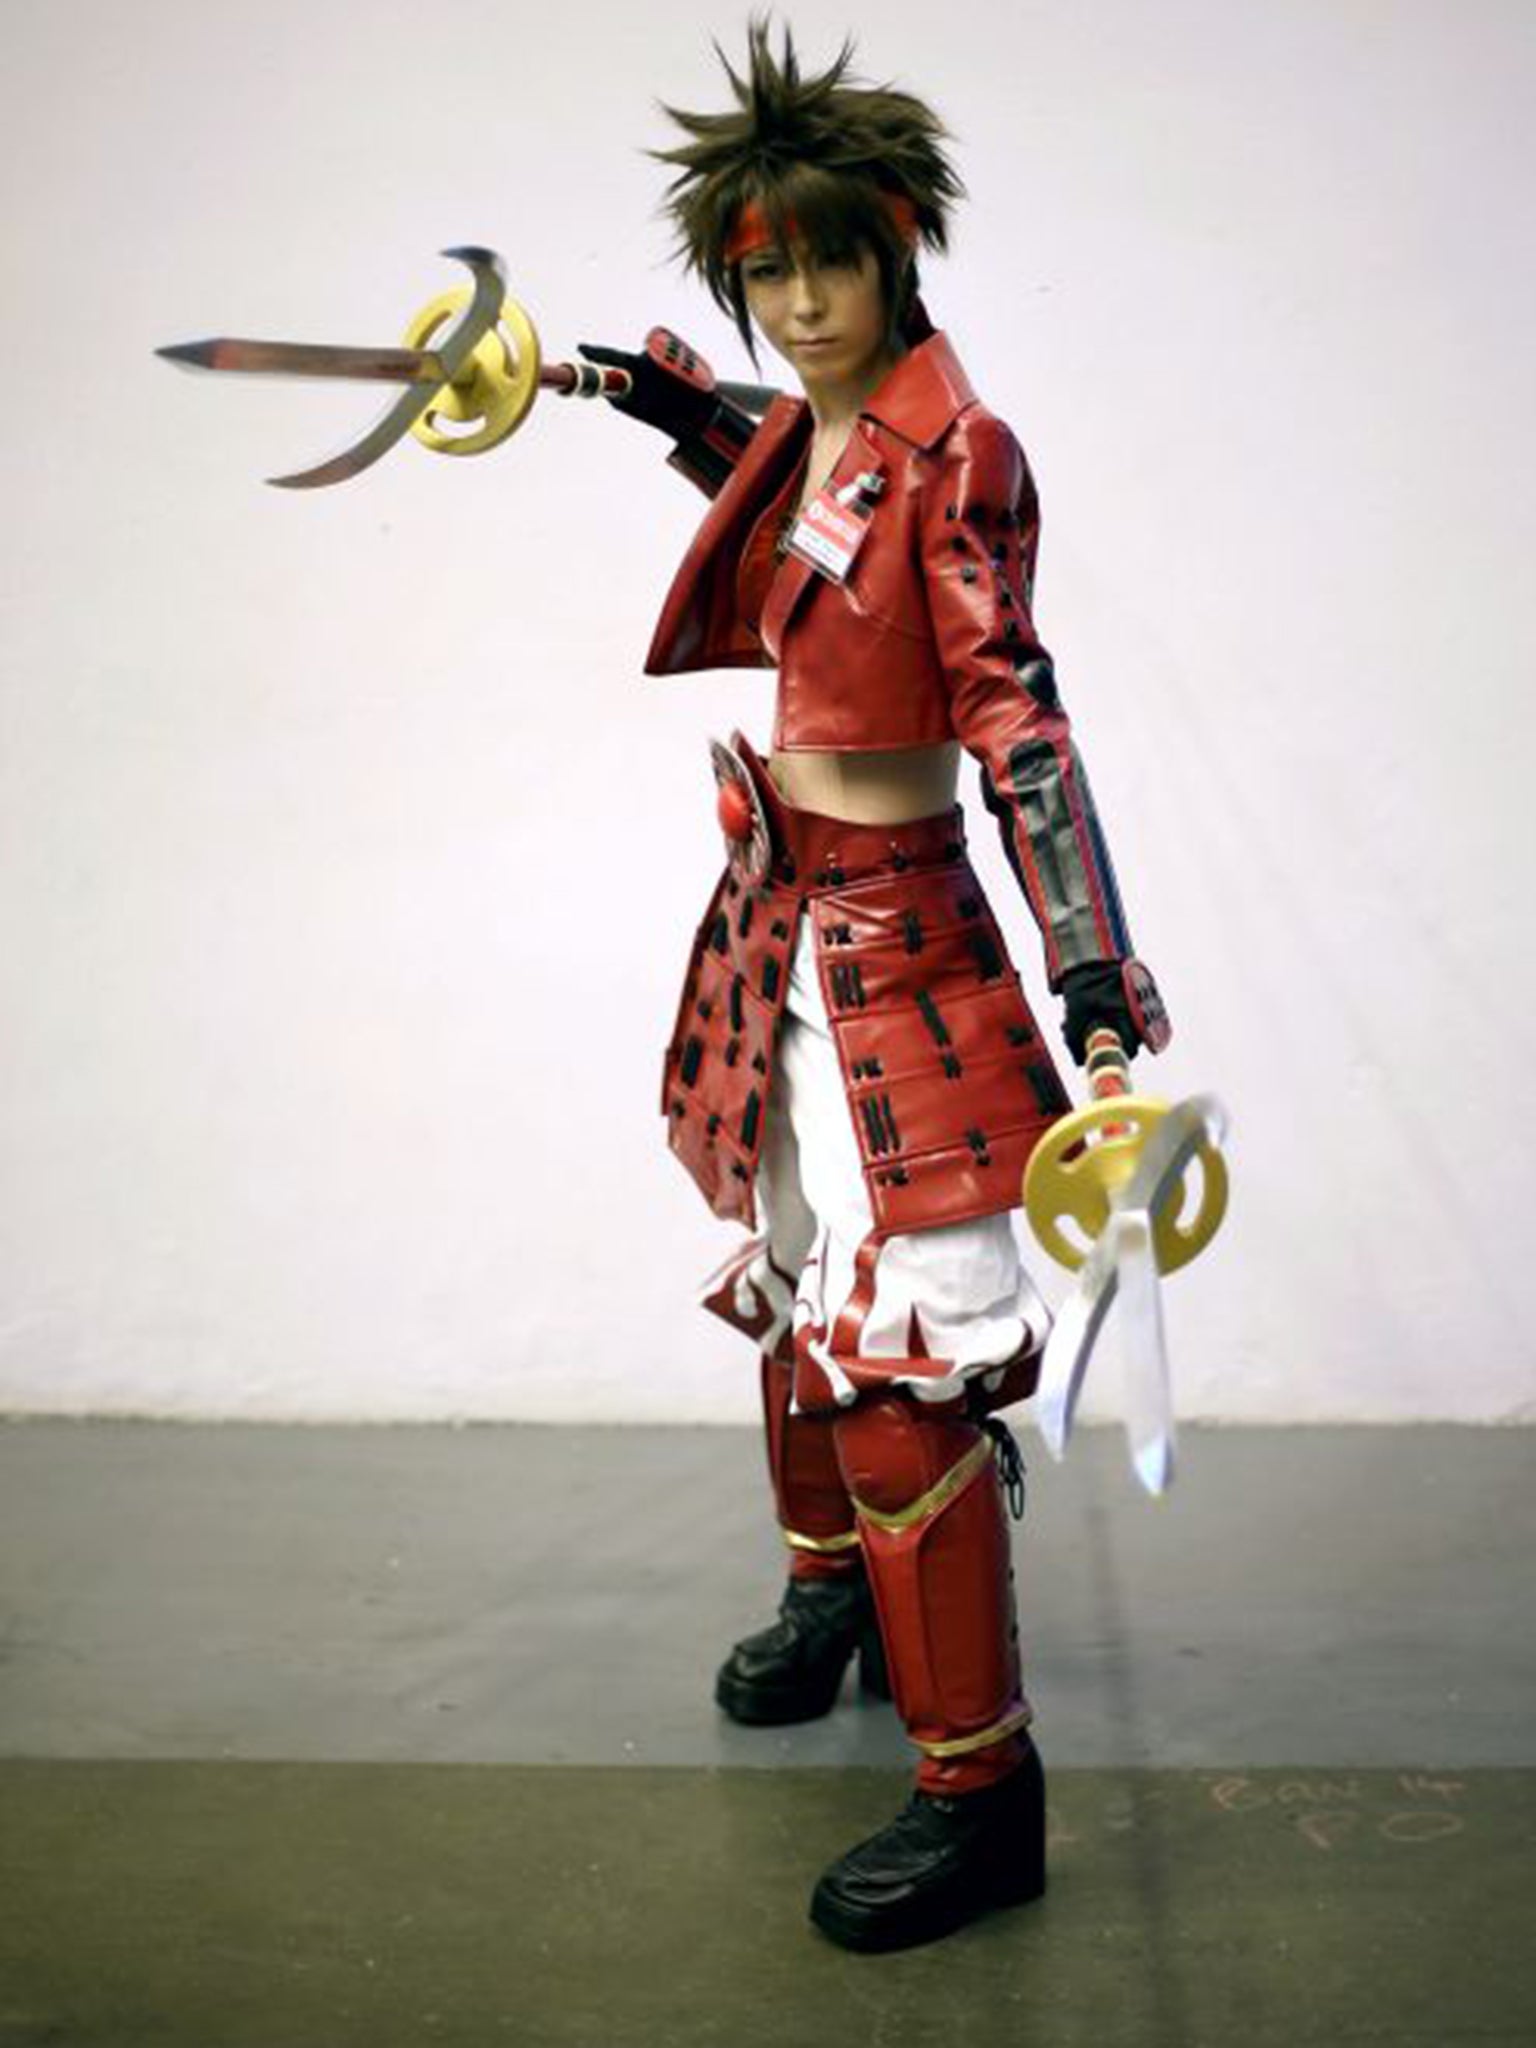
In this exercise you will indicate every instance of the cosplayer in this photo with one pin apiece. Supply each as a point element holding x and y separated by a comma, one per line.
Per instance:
<point>855,1074</point>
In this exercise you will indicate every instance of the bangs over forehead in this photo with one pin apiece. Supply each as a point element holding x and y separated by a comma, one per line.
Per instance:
<point>831,214</point>
<point>834,216</point>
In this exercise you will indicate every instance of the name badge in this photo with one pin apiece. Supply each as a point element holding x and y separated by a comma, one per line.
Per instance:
<point>831,529</point>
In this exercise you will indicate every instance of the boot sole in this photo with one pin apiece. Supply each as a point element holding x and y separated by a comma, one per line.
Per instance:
<point>762,1706</point>
<point>755,1706</point>
<point>876,1931</point>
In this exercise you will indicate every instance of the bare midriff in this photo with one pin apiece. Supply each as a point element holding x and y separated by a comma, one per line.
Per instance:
<point>890,787</point>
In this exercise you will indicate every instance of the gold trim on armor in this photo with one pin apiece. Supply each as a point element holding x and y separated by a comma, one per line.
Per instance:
<point>928,1504</point>
<point>825,1546</point>
<point>964,1744</point>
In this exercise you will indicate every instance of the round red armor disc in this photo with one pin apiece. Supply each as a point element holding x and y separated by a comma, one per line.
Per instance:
<point>735,810</point>
<point>742,817</point>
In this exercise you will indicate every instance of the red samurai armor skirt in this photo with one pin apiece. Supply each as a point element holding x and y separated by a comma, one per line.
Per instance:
<point>852,980</point>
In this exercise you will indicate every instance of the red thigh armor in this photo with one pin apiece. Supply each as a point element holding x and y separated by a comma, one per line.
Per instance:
<point>815,1513</point>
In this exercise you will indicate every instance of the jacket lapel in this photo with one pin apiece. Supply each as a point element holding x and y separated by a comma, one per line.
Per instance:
<point>789,587</point>
<point>697,618</point>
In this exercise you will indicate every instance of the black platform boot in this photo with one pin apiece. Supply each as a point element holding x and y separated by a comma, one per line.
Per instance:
<point>941,1862</point>
<point>792,1671</point>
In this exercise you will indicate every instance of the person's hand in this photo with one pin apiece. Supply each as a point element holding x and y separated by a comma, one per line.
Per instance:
<point>1113,995</point>
<point>671,387</point>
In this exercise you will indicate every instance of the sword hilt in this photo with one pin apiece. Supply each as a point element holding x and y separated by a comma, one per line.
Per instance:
<point>586,380</point>
<point>582,379</point>
<point>1109,1071</point>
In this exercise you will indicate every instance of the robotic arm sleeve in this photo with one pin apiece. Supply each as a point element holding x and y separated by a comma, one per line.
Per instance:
<point>980,533</point>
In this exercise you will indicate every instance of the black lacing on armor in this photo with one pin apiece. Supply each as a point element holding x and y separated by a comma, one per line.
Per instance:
<point>1010,1464</point>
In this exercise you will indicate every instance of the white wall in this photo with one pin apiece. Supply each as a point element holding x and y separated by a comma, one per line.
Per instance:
<point>327,1082</point>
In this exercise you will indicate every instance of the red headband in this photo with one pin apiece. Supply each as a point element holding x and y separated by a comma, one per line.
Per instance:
<point>752,232</point>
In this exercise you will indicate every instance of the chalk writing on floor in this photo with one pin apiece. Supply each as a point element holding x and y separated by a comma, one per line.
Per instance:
<point>1327,1812</point>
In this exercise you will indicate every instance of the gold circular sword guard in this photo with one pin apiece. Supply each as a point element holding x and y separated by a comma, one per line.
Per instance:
<point>1083,1161</point>
<point>493,392</point>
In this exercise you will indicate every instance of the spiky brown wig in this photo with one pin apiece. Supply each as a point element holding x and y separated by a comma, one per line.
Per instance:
<point>819,152</point>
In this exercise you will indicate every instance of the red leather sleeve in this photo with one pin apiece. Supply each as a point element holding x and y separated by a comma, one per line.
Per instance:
<point>980,529</point>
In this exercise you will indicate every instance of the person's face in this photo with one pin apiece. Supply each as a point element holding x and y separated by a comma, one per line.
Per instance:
<point>826,319</point>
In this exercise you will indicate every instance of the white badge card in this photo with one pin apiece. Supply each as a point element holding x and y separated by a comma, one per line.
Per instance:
<point>830,531</point>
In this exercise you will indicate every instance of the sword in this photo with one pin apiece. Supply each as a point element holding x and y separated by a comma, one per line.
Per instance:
<point>425,371</point>
<point>1123,1265</point>
<point>482,374</point>
<point>1117,1170</point>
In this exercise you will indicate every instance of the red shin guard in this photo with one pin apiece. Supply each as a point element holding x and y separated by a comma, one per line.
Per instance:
<point>935,1546</point>
<point>815,1512</point>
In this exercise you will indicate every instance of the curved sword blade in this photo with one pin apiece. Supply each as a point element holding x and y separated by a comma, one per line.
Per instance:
<point>453,350</point>
<point>1149,1422</point>
<point>1122,1263</point>
<point>1070,1344</point>
<point>319,359</point>
<point>1144,1354</point>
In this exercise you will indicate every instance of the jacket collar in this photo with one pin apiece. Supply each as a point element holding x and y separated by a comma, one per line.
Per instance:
<point>922,394</point>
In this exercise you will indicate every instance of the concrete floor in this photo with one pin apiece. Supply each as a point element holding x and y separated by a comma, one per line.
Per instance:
<point>545,1596</point>
<point>1288,1715</point>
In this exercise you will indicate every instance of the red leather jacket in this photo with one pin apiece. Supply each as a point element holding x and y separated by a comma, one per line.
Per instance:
<point>930,637</point>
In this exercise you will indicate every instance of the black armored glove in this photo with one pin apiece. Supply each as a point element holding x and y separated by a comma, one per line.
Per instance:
<point>673,388</point>
<point>1120,994</point>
